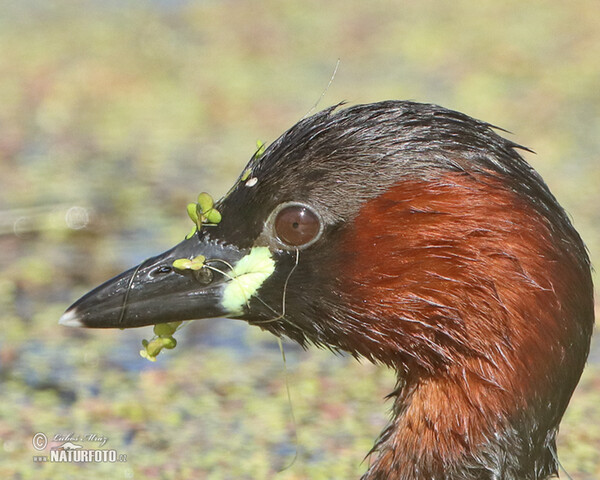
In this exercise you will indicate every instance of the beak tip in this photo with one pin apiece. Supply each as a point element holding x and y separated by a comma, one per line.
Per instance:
<point>70,319</point>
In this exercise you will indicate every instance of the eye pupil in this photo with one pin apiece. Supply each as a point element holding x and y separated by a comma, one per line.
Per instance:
<point>297,225</point>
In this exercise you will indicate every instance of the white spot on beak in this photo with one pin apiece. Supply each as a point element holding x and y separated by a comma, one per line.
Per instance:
<point>253,181</point>
<point>69,319</point>
<point>247,276</point>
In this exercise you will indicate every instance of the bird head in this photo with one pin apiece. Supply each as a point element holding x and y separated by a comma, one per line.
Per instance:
<point>404,233</point>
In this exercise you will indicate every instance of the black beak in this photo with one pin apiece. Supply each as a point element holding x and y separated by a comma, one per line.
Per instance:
<point>156,291</point>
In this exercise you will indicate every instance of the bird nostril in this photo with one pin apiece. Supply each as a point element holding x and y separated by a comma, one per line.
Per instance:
<point>161,270</point>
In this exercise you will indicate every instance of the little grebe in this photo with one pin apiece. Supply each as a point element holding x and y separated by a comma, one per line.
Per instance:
<point>412,236</point>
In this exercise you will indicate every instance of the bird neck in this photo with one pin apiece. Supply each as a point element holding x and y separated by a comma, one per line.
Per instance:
<point>486,314</point>
<point>459,427</point>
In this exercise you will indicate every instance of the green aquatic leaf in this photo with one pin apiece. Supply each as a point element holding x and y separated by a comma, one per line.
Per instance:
<point>163,339</point>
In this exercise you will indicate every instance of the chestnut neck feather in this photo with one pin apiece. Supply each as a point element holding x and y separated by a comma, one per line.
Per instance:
<point>484,307</point>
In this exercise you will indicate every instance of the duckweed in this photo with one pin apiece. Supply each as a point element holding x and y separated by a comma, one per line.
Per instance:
<point>163,339</point>
<point>203,213</point>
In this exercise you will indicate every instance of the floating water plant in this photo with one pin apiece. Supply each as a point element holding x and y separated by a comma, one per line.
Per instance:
<point>163,338</point>
<point>195,263</point>
<point>260,149</point>
<point>203,213</point>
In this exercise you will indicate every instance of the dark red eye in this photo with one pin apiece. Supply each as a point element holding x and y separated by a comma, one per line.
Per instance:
<point>297,225</point>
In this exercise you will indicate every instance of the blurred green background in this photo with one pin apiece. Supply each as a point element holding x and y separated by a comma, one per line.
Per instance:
<point>114,115</point>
